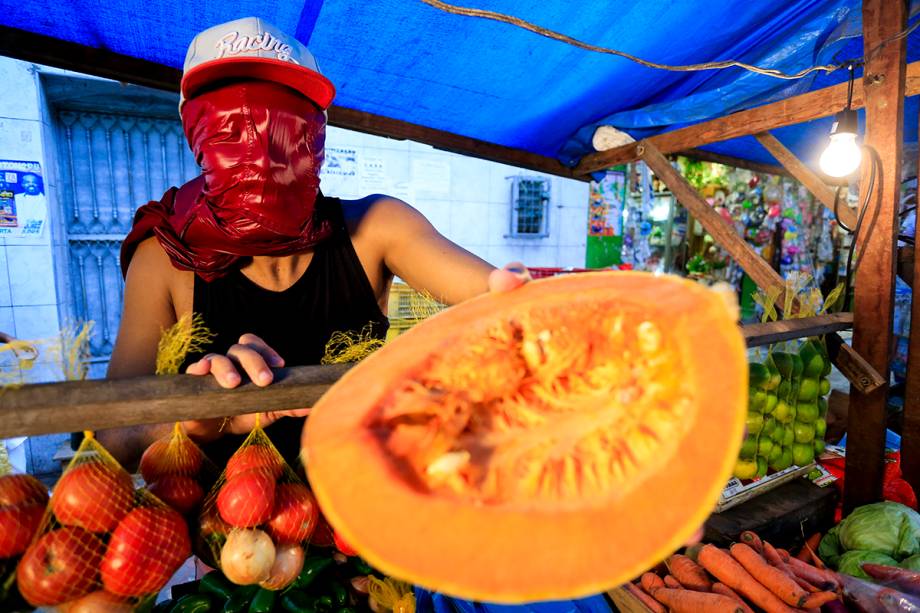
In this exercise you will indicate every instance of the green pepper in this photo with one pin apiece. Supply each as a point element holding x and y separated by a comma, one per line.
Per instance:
<point>324,603</point>
<point>339,595</point>
<point>361,566</point>
<point>346,610</point>
<point>240,599</point>
<point>216,584</point>
<point>311,569</point>
<point>298,602</point>
<point>262,602</point>
<point>192,603</point>
<point>163,607</point>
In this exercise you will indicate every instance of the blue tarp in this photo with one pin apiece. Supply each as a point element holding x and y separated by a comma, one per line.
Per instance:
<point>495,82</point>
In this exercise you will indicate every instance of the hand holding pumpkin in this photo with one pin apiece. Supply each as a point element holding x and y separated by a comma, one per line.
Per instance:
<point>511,276</point>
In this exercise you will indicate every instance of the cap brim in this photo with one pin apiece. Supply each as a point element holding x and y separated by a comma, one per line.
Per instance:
<point>310,83</point>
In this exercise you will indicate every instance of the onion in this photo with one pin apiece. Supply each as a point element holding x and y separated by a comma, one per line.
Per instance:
<point>288,564</point>
<point>97,602</point>
<point>247,557</point>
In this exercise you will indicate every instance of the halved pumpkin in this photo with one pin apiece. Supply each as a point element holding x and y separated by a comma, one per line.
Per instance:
<point>550,442</point>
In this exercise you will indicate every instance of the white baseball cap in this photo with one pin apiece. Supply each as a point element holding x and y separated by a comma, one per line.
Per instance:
<point>250,48</point>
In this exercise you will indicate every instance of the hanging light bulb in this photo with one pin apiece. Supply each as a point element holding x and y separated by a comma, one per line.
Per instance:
<point>843,155</point>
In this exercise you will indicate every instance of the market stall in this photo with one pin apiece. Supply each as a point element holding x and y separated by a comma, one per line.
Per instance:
<point>88,405</point>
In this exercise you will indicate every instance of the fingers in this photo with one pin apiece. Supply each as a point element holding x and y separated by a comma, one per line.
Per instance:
<point>251,362</point>
<point>508,278</point>
<point>270,356</point>
<point>696,538</point>
<point>218,365</point>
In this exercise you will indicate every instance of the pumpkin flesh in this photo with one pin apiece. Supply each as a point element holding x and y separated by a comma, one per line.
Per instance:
<point>547,443</point>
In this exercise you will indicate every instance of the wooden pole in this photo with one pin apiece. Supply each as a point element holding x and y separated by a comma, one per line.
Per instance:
<point>883,86</point>
<point>910,434</point>
<point>807,177</point>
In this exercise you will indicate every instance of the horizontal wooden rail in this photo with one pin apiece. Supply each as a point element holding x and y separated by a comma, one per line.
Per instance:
<point>74,406</point>
<point>756,335</point>
<point>92,405</point>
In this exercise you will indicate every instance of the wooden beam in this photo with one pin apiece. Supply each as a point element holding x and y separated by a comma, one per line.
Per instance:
<point>759,334</point>
<point>807,177</point>
<point>857,370</point>
<point>92,405</point>
<point>910,434</point>
<point>798,109</point>
<point>729,160</point>
<point>447,141</point>
<point>724,234</point>
<point>50,51</point>
<point>884,86</point>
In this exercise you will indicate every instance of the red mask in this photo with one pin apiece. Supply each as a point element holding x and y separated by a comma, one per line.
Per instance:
<point>260,148</point>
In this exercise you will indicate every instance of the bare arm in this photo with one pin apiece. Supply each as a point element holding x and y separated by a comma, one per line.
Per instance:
<point>148,310</point>
<point>413,250</point>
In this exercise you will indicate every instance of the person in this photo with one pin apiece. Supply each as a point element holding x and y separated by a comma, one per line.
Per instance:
<point>30,205</point>
<point>272,265</point>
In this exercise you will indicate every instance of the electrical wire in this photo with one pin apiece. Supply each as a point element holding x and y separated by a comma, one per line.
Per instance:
<point>852,266</point>
<point>516,21</point>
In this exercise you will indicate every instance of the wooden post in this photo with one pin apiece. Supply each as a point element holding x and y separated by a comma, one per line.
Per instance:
<point>883,90</point>
<point>807,177</point>
<point>910,434</point>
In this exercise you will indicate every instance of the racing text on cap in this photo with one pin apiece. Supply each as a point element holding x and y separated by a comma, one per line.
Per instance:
<point>233,43</point>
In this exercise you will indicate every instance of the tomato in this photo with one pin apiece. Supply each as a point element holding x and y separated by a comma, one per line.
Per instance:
<point>254,456</point>
<point>247,499</point>
<point>17,489</point>
<point>178,491</point>
<point>18,525</point>
<point>342,546</point>
<point>170,456</point>
<point>93,496</point>
<point>61,565</point>
<point>147,547</point>
<point>294,516</point>
<point>322,535</point>
<point>97,602</point>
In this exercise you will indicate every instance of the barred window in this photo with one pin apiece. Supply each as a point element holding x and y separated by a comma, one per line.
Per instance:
<point>529,207</point>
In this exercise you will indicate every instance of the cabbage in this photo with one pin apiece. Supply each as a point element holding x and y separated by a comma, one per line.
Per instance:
<point>829,549</point>
<point>911,563</point>
<point>851,562</point>
<point>884,527</point>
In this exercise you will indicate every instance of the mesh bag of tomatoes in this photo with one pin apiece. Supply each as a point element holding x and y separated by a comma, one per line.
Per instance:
<point>101,544</point>
<point>23,499</point>
<point>258,518</point>
<point>177,472</point>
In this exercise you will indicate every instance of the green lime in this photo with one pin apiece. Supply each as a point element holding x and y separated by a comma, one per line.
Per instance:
<point>757,401</point>
<point>748,448</point>
<point>745,469</point>
<point>771,403</point>
<point>779,433</point>
<point>806,412</point>
<point>812,361</point>
<point>784,363</point>
<point>764,447</point>
<point>808,390</point>
<point>814,474</point>
<point>804,433</point>
<point>788,436</point>
<point>784,389</point>
<point>785,460</point>
<point>761,466</point>
<point>820,428</point>
<point>819,446</point>
<point>798,366</point>
<point>783,412</point>
<point>769,426</point>
<point>822,407</point>
<point>775,454</point>
<point>754,423</point>
<point>803,454</point>
<point>825,387</point>
<point>758,375</point>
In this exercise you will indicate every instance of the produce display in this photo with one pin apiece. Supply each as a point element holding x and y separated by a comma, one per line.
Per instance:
<point>884,533</point>
<point>787,406</point>
<point>258,518</point>
<point>177,472</point>
<point>517,426</point>
<point>23,499</point>
<point>101,543</point>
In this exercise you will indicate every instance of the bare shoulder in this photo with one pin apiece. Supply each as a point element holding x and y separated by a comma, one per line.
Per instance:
<point>152,269</point>
<point>382,216</point>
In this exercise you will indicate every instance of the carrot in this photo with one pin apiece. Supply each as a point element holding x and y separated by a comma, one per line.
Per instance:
<point>721,588</point>
<point>689,574</point>
<point>672,583</point>
<point>772,556</point>
<point>809,547</point>
<point>724,568</point>
<point>823,579</point>
<point>688,601</point>
<point>902,579</point>
<point>751,539</point>
<point>651,582</point>
<point>770,577</point>
<point>784,555</point>
<point>819,599</point>
<point>645,599</point>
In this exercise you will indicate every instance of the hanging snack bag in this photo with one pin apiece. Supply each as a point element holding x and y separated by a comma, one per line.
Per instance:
<point>100,540</point>
<point>257,520</point>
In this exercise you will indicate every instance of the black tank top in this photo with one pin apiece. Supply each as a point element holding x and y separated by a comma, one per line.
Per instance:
<point>333,295</point>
